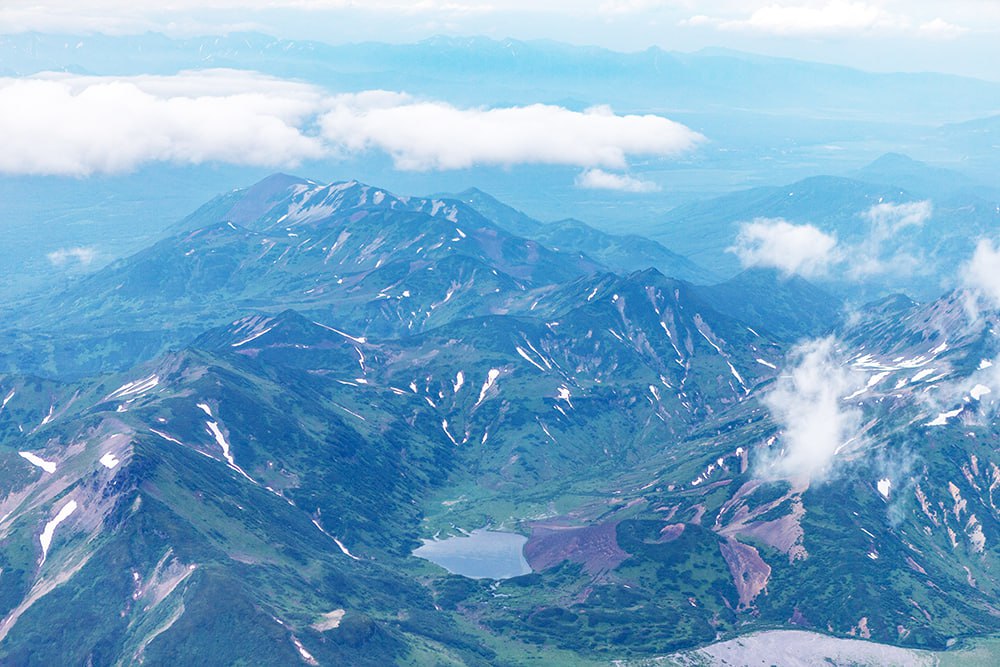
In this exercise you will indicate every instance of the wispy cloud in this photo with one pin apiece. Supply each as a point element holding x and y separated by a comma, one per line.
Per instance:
<point>979,293</point>
<point>598,179</point>
<point>806,404</point>
<point>79,125</point>
<point>879,251</point>
<point>981,275</point>
<point>836,17</point>
<point>613,7</point>
<point>126,17</point>
<point>805,250</point>
<point>81,256</point>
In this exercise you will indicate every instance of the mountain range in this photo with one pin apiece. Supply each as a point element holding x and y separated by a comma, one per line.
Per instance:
<point>225,447</point>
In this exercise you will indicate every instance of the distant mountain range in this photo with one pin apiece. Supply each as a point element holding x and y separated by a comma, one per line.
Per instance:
<point>522,71</point>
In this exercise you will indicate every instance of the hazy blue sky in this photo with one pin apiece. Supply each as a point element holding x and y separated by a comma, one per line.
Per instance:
<point>959,36</point>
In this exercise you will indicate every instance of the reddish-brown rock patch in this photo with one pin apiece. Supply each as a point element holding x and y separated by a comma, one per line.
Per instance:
<point>594,547</point>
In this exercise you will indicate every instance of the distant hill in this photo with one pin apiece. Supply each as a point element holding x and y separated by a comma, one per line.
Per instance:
<point>619,252</point>
<point>917,177</point>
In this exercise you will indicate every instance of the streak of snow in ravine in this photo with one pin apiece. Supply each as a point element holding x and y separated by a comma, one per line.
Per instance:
<point>6,399</point>
<point>339,544</point>
<point>444,427</point>
<point>531,361</point>
<point>47,466</point>
<point>361,340</point>
<point>564,395</point>
<point>491,378</point>
<point>884,486</point>
<point>109,460</point>
<point>711,342</point>
<point>548,364</point>
<point>204,408</point>
<point>49,417</point>
<point>213,427</point>
<point>762,362</point>
<point>547,432</point>
<point>45,539</point>
<point>253,336</point>
<point>350,412</point>
<point>872,381</point>
<point>943,418</point>
<point>670,337</point>
<point>459,381</point>
<point>306,655</point>
<point>134,387</point>
<point>166,437</point>
<point>868,362</point>
<point>739,378</point>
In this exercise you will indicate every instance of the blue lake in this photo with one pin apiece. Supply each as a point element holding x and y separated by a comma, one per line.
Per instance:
<point>485,554</point>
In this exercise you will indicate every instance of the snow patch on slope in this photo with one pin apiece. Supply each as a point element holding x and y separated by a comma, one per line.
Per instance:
<point>491,379</point>
<point>45,539</point>
<point>47,466</point>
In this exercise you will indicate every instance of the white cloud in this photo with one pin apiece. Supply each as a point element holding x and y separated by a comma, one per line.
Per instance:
<point>889,218</point>
<point>880,251</point>
<point>940,29</point>
<point>39,18</point>
<point>598,179</point>
<point>805,250</point>
<point>806,404</point>
<point>423,136</point>
<point>613,7</point>
<point>981,274</point>
<point>792,249</point>
<point>79,125</point>
<point>82,256</point>
<point>111,16</point>
<point>62,124</point>
<point>835,17</point>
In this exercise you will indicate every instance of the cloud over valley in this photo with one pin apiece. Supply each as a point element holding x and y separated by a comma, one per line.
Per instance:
<point>80,125</point>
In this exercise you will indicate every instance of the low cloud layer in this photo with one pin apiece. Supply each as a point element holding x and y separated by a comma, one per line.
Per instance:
<point>598,179</point>
<point>806,404</point>
<point>792,249</point>
<point>422,136</point>
<point>807,251</point>
<point>75,125</point>
<point>836,17</point>
<point>69,125</point>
